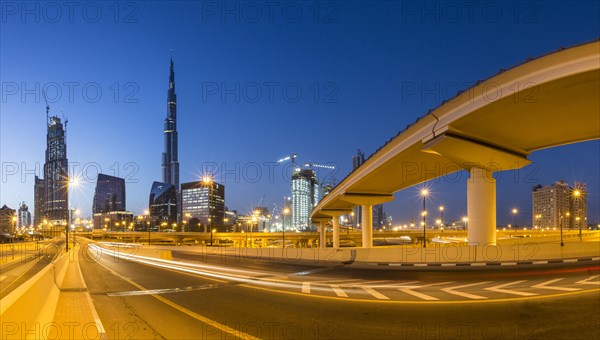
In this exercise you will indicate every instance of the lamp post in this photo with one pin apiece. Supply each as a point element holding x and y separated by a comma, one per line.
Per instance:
<point>515,211</point>
<point>424,194</point>
<point>561,232</point>
<point>577,196</point>
<point>254,219</point>
<point>442,215</point>
<point>465,220</point>
<point>14,220</point>
<point>284,212</point>
<point>211,236</point>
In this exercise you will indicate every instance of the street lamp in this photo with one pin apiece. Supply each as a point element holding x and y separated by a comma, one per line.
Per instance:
<point>576,196</point>
<point>515,212</point>
<point>211,236</point>
<point>442,215</point>
<point>254,219</point>
<point>14,220</point>
<point>424,194</point>
<point>284,212</point>
<point>465,220</point>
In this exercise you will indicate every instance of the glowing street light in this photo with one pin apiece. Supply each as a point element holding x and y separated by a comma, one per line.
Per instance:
<point>285,212</point>
<point>424,194</point>
<point>515,211</point>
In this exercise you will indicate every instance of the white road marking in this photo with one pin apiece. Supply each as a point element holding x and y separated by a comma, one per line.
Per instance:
<point>393,285</point>
<point>306,287</point>
<point>587,281</point>
<point>338,291</point>
<point>451,290</point>
<point>500,289</point>
<point>375,293</point>
<point>544,285</point>
<point>409,290</point>
<point>371,283</point>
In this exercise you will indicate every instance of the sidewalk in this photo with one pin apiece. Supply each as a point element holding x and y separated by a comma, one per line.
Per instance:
<point>75,316</point>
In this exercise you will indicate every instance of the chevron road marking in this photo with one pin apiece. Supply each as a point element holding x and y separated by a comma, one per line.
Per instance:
<point>375,293</point>
<point>544,285</point>
<point>587,281</point>
<point>409,290</point>
<point>500,289</point>
<point>452,290</point>
<point>338,291</point>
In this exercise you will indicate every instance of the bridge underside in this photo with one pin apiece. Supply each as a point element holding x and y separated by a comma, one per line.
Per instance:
<point>494,126</point>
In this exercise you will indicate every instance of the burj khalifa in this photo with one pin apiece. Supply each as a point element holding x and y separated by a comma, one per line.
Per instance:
<point>170,160</point>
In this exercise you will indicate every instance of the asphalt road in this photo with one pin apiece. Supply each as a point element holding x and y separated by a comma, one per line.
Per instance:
<point>212,298</point>
<point>27,264</point>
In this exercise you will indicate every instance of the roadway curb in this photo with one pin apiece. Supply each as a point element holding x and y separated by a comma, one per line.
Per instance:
<point>481,264</point>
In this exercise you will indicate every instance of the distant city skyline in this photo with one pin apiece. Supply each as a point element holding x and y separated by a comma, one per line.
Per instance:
<point>391,73</point>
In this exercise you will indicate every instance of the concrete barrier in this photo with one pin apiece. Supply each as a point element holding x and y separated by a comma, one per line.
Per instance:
<point>27,312</point>
<point>514,250</point>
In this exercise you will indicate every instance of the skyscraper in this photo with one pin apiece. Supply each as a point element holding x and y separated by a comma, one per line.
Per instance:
<point>204,200</point>
<point>108,207</point>
<point>163,203</point>
<point>170,160</point>
<point>56,174</point>
<point>305,195</point>
<point>109,194</point>
<point>38,201</point>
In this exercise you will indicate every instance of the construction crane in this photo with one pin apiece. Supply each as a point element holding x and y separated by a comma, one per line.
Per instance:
<point>292,157</point>
<point>317,165</point>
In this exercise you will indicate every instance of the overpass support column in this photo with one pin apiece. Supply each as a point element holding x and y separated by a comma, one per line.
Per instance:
<point>367,226</point>
<point>481,207</point>
<point>321,234</point>
<point>336,231</point>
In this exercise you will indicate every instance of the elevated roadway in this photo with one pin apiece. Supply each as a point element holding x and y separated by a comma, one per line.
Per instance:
<point>494,126</point>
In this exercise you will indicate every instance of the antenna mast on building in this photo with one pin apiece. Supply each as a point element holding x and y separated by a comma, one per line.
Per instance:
<point>47,108</point>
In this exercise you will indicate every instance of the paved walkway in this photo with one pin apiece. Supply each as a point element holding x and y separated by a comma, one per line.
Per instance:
<point>75,316</point>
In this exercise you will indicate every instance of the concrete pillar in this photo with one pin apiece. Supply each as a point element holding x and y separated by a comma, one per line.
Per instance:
<point>481,207</point>
<point>321,234</point>
<point>366,224</point>
<point>336,231</point>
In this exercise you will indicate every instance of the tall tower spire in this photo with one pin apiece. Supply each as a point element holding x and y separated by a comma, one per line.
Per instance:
<point>170,159</point>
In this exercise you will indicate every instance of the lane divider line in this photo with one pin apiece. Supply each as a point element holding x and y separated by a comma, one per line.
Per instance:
<point>209,322</point>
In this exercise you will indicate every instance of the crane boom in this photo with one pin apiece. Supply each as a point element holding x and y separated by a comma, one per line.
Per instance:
<point>317,165</point>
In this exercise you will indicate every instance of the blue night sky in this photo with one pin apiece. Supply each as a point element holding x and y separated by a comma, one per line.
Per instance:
<point>349,60</point>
